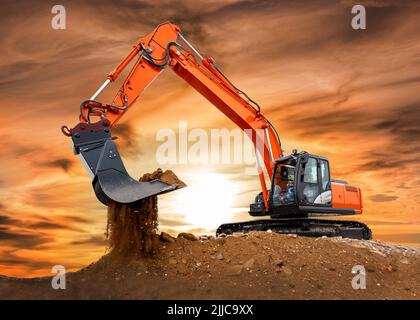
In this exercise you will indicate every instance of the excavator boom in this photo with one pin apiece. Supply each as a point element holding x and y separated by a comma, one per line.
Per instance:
<point>163,48</point>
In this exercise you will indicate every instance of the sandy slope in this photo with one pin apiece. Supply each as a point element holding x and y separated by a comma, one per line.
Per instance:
<point>259,265</point>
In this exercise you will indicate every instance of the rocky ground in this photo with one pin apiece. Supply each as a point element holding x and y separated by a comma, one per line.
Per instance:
<point>259,265</point>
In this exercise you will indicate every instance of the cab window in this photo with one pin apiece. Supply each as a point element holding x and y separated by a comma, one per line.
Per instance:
<point>325,175</point>
<point>311,172</point>
<point>310,180</point>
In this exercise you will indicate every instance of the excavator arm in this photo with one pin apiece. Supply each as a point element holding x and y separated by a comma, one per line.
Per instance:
<point>164,48</point>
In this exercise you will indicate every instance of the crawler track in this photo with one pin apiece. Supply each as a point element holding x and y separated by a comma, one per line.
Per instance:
<point>303,227</point>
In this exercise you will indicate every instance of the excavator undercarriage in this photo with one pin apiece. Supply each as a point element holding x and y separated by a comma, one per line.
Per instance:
<point>301,226</point>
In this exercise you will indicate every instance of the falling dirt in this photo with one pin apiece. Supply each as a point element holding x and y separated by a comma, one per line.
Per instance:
<point>132,228</point>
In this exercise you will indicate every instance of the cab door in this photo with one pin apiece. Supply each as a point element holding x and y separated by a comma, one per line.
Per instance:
<point>314,183</point>
<point>324,197</point>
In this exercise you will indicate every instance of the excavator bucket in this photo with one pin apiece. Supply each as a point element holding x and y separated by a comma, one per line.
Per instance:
<point>111,181</point>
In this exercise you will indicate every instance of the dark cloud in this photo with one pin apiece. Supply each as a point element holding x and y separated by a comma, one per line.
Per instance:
<point>23,240</point>
<point>77,219</point>
<point>130,20</point>
<point>11,258</point>
<point>383,198</point>
<point>93,240</point>
<point>402,123</point>
<point>138,16</point>
<point>384,163</point>
<point>42,223</point>
<point>128,142</point>
<point>42,199</point>
<point>51,196</point>
<point>6,220</point>
<point>50,225</point>
<point>64,163</point>
<point>24,150</point>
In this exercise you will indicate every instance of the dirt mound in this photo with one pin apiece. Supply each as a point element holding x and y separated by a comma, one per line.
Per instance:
<point>258,265</point>
<point>132,228</point>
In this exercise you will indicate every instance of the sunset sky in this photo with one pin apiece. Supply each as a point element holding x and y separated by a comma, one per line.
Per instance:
<point>350,95</point>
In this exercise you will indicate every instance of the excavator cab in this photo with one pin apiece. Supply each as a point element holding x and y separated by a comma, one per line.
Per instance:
<point>305,185</point>
<point>301,186</point>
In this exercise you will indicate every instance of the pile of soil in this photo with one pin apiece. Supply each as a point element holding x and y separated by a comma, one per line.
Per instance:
<point>132,228</point>
<point>258,265</point>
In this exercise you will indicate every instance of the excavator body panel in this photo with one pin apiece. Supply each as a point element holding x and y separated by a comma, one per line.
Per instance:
<point>346,196</point>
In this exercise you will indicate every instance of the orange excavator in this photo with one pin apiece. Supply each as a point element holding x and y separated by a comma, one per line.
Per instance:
<point>300,185</point>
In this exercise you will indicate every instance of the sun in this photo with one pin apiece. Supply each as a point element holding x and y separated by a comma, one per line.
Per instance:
<point>207,202</point>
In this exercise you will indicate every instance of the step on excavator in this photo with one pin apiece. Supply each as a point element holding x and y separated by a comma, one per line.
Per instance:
<point>300,185</point>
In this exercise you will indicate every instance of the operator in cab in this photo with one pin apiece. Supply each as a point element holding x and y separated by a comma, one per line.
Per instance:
<point>283,192</point>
